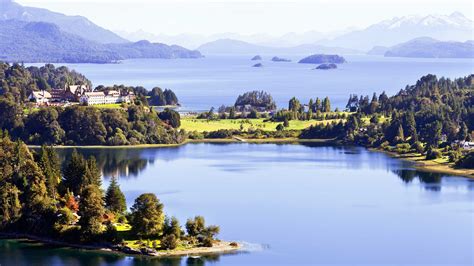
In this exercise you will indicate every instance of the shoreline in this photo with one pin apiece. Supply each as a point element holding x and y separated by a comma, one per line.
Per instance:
<point>419,163</point>
<point>188,141</point>
<point>219,247</point>
<point>429,165</point>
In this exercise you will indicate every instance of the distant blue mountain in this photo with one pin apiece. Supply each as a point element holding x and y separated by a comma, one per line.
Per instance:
<point>77,25</point>
<point>230,46</point>
<point>430,48</point>
<point>146,49</point>
<point>22,41</point>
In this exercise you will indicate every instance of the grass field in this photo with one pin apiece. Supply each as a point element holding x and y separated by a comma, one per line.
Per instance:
<point>109,106</point>
<point>201,125</point>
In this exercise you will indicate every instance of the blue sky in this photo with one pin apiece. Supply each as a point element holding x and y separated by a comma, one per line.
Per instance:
<point>273,17</point>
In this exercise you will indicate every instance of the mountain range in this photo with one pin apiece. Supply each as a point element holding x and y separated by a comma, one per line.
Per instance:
<point>76,25</point>
<point>22,41</point>
<point>431,48</point>
<point>191,40</point>
<point>230,46</point>
<point>453,27</point>
<point>39,35</point>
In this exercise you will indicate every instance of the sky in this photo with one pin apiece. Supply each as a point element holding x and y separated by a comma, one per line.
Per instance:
<point>273,17</point>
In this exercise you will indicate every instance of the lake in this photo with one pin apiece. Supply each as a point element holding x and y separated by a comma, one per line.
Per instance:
<point>216,80</point>
<point>289,204</point>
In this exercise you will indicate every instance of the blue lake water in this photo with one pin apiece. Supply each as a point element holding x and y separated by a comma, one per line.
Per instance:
<point>215,80</point>
<point>291,204</point>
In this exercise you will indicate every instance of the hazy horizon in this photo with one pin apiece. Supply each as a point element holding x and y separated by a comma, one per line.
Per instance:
<point>269,17</point>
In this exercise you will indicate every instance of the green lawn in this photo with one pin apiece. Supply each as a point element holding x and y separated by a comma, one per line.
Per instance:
<point>109,106</point>
<point>201,125</point>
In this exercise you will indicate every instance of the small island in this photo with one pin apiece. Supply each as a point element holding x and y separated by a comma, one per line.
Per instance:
<point>279,59</point>
<point>256,58</point>
<point>323,59</point>
<point>326,66</point>
<point>258,65</point>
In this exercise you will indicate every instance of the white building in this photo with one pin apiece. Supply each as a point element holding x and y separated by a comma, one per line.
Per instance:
<point>99,97</point>
<point>92,98</point>
<point>113,97</point>
<point>40,97</point>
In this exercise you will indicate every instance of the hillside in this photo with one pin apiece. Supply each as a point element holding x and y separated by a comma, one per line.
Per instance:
<point>146,49</point>
<point>22,41</point>
<point>431,48</point>
<point>77,25</point>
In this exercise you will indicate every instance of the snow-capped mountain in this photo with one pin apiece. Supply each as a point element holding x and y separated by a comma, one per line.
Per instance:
<point>453,27</point>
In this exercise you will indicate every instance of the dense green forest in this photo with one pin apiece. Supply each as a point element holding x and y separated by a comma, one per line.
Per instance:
<point>41,198</point>
<point>79,125</point>
<point>429,117</point>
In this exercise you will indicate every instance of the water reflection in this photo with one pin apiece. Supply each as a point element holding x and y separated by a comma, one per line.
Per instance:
<point>25,252</point>
<point>122,162</point>
<point>130,162</point>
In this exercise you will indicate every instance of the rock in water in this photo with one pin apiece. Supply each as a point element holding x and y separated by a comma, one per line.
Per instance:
<point>279,59</point>
<point>326,66</point>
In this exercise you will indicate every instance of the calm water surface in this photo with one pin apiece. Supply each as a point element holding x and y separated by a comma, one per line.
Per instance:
<point>290,204</point>
<point>215,80</point>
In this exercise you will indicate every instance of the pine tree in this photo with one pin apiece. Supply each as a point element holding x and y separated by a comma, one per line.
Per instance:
<point>114,198</point>
<point>326,105</point>
<point>463,132</point>
<point>92,174</point>
<point>49,163</point>
<point>172,227</point>
<point>73,173</point>
<point>232,112</point>
<point>10,206</point>
<point>410,126</point>
<point>317,105</point>
<point>400,135</point>
<point>91,210</point>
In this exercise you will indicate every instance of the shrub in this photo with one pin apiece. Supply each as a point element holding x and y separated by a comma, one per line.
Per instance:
<point>207,242</point>
<point>467,161</point>
<point>454,155</point>
<point>418,147</point>
<point>432,154</point>
<point>402,148</point>
<point>169,242</point>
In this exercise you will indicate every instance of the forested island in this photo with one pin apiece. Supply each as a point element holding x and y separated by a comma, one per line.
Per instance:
<point>323,59</point>
<point>431,121</point>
